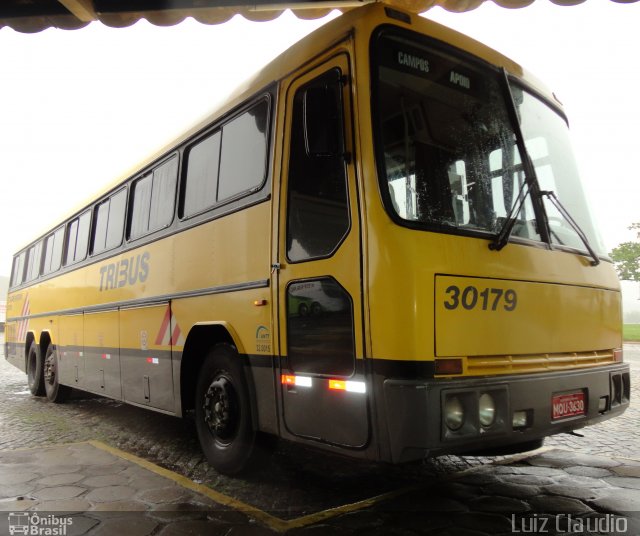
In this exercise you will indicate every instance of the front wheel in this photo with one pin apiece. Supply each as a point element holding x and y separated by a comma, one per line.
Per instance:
<point>223,411</point>
<point>55,392</point>
<point>35,370</point>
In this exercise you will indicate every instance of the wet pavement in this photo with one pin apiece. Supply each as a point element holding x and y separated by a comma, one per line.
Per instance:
<point>107,468</point>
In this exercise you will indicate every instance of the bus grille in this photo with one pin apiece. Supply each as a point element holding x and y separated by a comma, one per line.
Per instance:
<point>520,364</point>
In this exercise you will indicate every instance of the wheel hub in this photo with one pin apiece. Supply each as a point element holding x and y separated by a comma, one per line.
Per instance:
<point>49,369</point>
<point>220,408</point>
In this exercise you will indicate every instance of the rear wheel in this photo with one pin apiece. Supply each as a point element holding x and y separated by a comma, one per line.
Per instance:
<point>35,370</point>
<point>55,392</point>
<point>223,411</point>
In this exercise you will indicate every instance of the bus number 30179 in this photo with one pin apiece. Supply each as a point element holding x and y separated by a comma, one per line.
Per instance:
<point>488,299</point>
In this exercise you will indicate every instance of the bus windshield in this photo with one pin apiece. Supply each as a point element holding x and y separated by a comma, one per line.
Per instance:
<point>447,152</point>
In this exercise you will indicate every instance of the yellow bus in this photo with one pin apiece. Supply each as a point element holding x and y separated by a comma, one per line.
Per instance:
<point>379,247</point>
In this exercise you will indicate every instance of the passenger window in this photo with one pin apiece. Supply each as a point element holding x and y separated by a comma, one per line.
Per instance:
<point>33,261</point>
<point>53,252</point>
<point>202,176</point>
<point>153,200</point>
<point>109,222</point>
<point>78,238</point>
<point>18,269</point>
<point>318,206</point>
<point>163,195</point>
<point>141,199</point>
<point>229,162</point>
<point>243,161</point>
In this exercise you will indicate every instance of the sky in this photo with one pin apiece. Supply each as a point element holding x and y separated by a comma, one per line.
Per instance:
<point>78,108</point>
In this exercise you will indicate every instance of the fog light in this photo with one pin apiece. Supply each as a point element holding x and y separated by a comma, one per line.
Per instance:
<point>486,410</point>
<point>453,413</point>
<point>520,419</point>
<point>602,404</point>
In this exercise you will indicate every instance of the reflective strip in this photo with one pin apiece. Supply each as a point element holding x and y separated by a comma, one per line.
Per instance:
<point>298,381</point>
<point>349,386</point>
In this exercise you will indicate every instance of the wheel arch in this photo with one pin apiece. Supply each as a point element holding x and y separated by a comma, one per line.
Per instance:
<point>45,341</point>
<point>201,338</point>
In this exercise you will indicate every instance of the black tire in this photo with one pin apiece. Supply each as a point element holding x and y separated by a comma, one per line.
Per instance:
<point>55,392</point>
<point>35,370</point>
<point>223,411</point>
<point>303,309</point>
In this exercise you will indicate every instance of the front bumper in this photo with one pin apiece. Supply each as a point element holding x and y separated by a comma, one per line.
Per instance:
<point>416,425</point>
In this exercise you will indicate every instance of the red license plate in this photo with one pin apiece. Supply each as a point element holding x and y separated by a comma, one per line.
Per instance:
<point>570,405</point>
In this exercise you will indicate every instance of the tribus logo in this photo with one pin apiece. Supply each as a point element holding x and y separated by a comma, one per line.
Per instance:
<point>38,525</point>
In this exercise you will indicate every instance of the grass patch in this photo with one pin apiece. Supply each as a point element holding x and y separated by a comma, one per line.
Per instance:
<point>631,332</point>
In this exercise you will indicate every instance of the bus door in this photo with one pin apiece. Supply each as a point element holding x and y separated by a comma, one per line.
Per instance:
<point>319,276</point>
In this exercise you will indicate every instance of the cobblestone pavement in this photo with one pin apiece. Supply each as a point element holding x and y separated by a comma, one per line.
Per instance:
<point>461,495</point>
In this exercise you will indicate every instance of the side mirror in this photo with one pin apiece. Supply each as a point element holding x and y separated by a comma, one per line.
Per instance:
<point>323,117</point>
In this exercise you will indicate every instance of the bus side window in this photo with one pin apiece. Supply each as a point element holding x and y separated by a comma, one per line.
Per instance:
<point>202,176</point>
<point>109,222</point>
<point>243,156</point>
<point>153,200</point>
<point>77,238</point>
<point>18,269</point>
<point>163,194</point>
<point>34,260</point>
<point>53,252</point>
<point>140,203</point>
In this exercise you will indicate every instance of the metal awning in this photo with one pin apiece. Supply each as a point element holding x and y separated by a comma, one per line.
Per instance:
<point>35,15</point>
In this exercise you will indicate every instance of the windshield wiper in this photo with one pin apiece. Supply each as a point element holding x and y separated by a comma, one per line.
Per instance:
<point>530,178</point>
<point>551,196</point>
<point>502,238</point>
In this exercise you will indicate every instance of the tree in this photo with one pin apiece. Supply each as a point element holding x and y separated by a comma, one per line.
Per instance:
<point>626,257</point>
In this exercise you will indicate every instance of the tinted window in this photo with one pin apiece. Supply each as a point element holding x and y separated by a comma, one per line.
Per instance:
<point>116,219</point>
<point>109,222</point>
<point>202,176</point>
<point>53,251</point>
<point>78,238</point>
<point>33,261</point>
<point>18,269</point>
<point>163,195</point>
<point>153,199</point>
<point>140,201</point>
<point>243,162</point>
<point>318,208</point>
<point>316,308</point>
<point>100,226</point>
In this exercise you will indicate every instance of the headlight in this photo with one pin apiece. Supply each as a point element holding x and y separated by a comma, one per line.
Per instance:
<point>453,413</point>
<point>486,410</point>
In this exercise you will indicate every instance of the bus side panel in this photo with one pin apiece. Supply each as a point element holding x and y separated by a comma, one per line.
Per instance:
<point>227,262</point>
<point>102,353</point>
<point>146,335</point>
<point>249,326</point>
<point>71,350</point>
<point>15,330</point>
<point>11,353</point>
